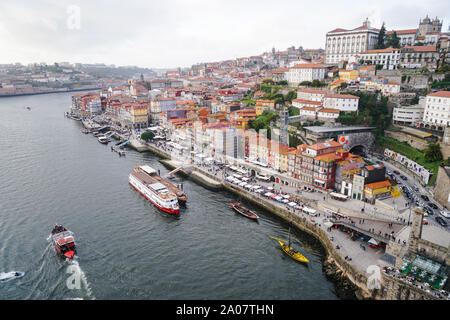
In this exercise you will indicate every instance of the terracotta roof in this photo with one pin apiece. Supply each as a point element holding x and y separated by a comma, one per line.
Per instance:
<point>422,48</point>
<point>406,31</point>
<point>307,66</point>
<point>378,185</point>
<point>329,110</point>
<point>310,108</point>
<point>317,103</point>
<point>443,94</point>
<point>313,91</point>
<point>341,96</point>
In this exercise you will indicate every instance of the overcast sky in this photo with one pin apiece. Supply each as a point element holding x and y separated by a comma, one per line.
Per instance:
<point>175,33</point>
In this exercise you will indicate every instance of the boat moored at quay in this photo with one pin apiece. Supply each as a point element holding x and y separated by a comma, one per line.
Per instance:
<point>142,179</point>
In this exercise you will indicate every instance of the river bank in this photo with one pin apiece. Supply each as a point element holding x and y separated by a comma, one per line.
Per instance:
<point>349,283</point>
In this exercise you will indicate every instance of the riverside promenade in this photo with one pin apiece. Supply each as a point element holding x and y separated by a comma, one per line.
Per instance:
<point>350,257</point>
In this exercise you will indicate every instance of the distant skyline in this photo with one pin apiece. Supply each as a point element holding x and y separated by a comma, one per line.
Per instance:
<point>175,33</point>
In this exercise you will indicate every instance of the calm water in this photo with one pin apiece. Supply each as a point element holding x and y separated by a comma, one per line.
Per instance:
<point>52,173</point>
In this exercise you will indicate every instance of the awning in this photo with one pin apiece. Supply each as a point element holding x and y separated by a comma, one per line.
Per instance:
<point>268,194</point>
<point>278,198</point>
<point>286,196</point>
<point>273,195</point>
<point>292,204</point>
<point>285,201</point>
<point>338,195</point>
<point>309,210</point>
<point>328,224</point>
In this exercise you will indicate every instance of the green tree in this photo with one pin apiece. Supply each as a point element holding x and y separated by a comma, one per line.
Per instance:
<point>381,37</point>
<point>433,152</point>
<point>148,135</point>
<point>393,40</point>
<point>293,111</point>
<point>291,95</point>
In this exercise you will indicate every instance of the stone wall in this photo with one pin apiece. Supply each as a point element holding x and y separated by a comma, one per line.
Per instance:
<point>442,189</point>
<point>395,289</point>
<point>413,141</point>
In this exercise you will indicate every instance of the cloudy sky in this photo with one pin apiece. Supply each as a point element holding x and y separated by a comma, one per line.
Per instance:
<point>179,33</point>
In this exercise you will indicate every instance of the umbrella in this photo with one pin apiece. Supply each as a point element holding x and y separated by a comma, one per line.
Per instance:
<point>373,241</point>
<point>328,224</point>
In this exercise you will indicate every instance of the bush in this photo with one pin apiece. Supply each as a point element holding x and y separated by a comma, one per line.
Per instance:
<point>148,135</point>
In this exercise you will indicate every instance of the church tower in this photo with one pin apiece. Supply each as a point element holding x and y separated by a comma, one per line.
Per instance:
<point>437,25</point>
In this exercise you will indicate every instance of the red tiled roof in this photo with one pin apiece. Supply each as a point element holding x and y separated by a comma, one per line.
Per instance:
<point>317,103</point>
<point>329,110</point>
<point>443,94</point>
<point>341,96</point>
<point>406,31</point>
<point>307,66</point>
<point>422,48</point>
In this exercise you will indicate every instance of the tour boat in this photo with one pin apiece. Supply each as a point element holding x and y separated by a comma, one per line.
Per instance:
<point>143,180</point>
<point>63,241</point>
<point>290,251</point>
<point>103,139</point>
<point>181,196</point>
<point>244,211</point>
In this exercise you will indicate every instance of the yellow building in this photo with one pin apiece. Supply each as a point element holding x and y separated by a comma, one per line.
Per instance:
<point>262,105</point>
<point>348,75</point>
<point>336,84</point>
<point>376,190</point>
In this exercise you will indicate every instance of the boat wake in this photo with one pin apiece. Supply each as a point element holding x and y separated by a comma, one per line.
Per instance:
<point>78,277</point>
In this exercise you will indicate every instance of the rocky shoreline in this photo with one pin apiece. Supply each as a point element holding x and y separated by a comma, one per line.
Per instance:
<point>345,289</point>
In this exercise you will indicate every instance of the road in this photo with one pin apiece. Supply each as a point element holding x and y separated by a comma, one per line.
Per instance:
<point>411,182</point>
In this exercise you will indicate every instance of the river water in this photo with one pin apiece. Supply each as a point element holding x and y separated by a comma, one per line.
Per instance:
<point>51,173</point>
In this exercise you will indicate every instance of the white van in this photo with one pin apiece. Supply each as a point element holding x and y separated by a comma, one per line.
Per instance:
<point>445,214</point>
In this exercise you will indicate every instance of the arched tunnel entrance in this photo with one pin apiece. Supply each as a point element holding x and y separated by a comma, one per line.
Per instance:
<point>359,150</point>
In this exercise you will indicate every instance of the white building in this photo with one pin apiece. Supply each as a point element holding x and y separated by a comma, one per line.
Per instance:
<point>389,58</point>
<point>305,72</point>
<point>390,88</point>
<point>341,102</point>
<point>341,44</point>
<point>310,112</point>
<point>409,115</point>
<point>300,103</point>
<point>328,114</point>
<point>437,110</point>
<point>310,94</point>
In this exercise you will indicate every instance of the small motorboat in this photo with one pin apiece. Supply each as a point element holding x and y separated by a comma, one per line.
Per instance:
<point>290,251</point>
<point>63,240</point>
<point>28,108</point>
<point>86,131</point>
<point>11,275</point>
<point>103,139</point>
<point>244,211</point>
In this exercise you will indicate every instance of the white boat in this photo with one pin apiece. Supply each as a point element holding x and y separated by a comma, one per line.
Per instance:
<point>154,191</point>
<point>103,139</point>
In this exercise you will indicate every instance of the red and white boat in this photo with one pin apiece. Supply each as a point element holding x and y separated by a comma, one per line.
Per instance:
<point>143,181</point>
<point>63,241</point>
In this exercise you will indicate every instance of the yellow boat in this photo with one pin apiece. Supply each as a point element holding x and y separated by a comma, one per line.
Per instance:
<point>291,252</point>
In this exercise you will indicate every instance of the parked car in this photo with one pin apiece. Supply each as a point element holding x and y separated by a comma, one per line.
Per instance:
<point>425,221</point>
<point>403,177</point>
<point>429,210</point>
<point>396,172</point>
<point>445,214</point>
<point>441,221</point>
<point>416,188</point>
<point>432,205</point>
<point>424,197</point>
